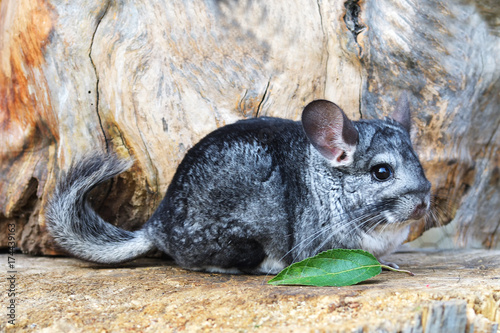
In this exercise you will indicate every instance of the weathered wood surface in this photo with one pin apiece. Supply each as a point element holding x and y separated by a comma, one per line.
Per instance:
<point>454,292</point>
<point>150,79</point>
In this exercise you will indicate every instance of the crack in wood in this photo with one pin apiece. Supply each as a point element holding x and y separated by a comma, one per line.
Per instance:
<point>353,22</point>
<point>325,41</point>
<point>259,107</point>
<point>99,19</point>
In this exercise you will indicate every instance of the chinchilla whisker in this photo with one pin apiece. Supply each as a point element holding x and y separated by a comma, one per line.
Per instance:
<point>384,225</point>
<point>352,225</point>
<point>347,226</point>
<point>372,218</point>
<point>325,241</point>
<point>378,221</point>
<point>438,216</point>
<point>433,214</point>
<point>445,204</point>
<point>353,222</point>
<point>301,246</point>
<point>430,219</point>
<point>304,244</point>
<point>363,219</point>
<point>332,231</point>
<point>311,237</point>
<point>367,220</point>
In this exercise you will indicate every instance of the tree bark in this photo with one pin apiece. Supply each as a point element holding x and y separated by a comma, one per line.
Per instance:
<point>149,80</point>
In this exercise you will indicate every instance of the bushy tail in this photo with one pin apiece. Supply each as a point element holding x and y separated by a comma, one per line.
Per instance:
<point>77,228</point>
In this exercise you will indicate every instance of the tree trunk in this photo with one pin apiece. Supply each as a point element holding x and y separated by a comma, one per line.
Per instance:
<point>150,79</point>
<point>150,295</point>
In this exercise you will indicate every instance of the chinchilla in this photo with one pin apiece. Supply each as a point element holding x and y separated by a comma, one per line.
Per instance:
<point>260,194</point>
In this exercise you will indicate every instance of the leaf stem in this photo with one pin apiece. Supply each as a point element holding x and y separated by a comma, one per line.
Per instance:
<point>397,270</point>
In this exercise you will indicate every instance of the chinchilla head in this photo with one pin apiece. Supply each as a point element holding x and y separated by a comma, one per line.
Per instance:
<point>382,181</point>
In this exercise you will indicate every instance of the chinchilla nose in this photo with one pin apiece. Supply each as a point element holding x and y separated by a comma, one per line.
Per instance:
<point>421,207</point>
<point>419,211</point>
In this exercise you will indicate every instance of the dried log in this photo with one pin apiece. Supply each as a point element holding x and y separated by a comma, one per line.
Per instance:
<point>156,295</point>
<point>150,79</point>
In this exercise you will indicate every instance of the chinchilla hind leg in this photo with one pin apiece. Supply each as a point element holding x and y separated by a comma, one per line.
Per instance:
<point>239,255</point>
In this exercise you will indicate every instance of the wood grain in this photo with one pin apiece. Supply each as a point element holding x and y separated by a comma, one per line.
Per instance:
<point>452,291</point>
<point>150,79</point>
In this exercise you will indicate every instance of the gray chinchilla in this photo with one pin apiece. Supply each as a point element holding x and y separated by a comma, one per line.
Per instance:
<point>260,194</point>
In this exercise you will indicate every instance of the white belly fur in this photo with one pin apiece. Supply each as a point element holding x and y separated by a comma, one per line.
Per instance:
<point>385,242</point>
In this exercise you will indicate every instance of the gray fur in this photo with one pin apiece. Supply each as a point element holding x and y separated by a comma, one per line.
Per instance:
<point>257,195</point>
<point>77,228</point>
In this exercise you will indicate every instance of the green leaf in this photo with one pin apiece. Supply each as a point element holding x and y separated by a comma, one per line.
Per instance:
<point>330,268</point>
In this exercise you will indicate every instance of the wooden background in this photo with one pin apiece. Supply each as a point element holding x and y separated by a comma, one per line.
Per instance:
<point>150,78</point>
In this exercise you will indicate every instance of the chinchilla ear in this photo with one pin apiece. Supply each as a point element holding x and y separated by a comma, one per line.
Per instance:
<point>402,113</point>
<point>330,132</point>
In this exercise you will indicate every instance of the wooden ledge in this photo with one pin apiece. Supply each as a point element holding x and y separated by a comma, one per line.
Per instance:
<point>452,291</point>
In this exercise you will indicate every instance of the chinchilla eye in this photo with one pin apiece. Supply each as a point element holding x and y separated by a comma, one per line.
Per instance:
<point>381,172</point>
